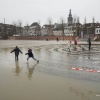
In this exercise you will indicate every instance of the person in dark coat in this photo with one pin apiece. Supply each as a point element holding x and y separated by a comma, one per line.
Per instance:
<point>89,42</point>
<point>16,50</point>
<point>57,39</point>
<point>30,54</point>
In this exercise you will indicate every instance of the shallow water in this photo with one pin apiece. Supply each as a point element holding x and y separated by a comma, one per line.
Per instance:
<point>51,78</point>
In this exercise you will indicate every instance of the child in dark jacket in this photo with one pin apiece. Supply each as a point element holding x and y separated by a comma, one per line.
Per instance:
<point>30,54</point>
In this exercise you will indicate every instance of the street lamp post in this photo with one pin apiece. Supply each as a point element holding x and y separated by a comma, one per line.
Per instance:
<point>62,30</point>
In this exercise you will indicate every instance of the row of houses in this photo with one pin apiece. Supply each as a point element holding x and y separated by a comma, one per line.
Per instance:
<point>71,28</point>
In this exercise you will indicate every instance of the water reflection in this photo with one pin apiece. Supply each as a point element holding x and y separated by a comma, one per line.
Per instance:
<point>17,68</point>
<point>30,70</point>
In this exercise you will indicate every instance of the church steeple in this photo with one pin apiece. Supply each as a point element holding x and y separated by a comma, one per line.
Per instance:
<point>70,15</point>
<point>70,19</point>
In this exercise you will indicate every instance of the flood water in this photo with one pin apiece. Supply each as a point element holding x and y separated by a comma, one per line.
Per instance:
<point>51,78</point>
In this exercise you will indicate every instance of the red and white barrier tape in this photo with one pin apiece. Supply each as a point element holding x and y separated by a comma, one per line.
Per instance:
<point>84,69</point>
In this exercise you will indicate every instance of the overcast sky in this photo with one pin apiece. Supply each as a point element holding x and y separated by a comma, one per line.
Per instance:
<point>29,11</point>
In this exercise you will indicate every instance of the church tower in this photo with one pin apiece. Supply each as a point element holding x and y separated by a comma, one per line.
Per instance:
<point>70,18</point>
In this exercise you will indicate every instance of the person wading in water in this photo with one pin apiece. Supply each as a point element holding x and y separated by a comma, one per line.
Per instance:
<point>16,50</point>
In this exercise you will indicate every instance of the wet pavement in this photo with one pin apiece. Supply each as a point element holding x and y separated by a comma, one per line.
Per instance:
<point>51,78</point>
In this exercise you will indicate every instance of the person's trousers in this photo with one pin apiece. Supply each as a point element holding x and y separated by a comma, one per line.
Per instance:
<point>16,57</point>
<point>32,57</point>
<point>89,46</point>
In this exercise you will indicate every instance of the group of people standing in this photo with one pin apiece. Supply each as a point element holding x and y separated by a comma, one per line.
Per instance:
<point>76,43</point>
<point>69,45</point>
<point>29,53</point>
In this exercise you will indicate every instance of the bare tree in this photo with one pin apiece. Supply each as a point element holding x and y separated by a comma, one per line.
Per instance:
<point>50,25</point>
<point>78,20</point>
<point>62,21</point>
<point>84,27</point>
<point>85,20</point>
<point>20,26</point>
<point>27,28</point>
<point>76,25</point>
<point>39,28</point>
<point>39,22</point>
<point>14,27</point>
<point>74,19</point>
<point>93,26</point>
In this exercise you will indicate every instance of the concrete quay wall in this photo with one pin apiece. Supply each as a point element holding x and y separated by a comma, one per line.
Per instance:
<point>41,37</point>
